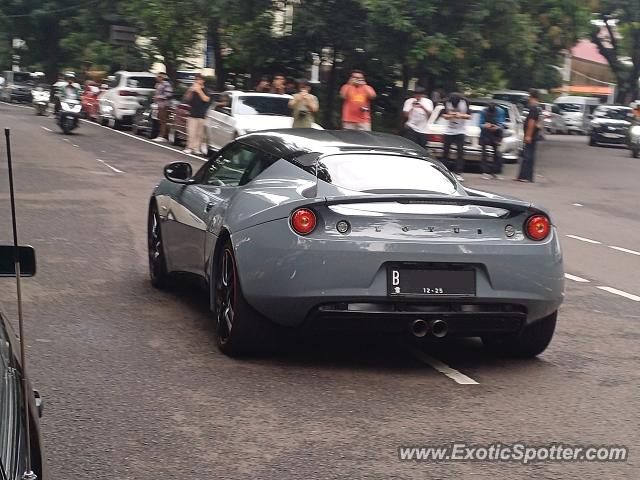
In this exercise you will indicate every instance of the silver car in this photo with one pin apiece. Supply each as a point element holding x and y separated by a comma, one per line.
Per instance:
<point>312,229</point>
<point>512,140</point>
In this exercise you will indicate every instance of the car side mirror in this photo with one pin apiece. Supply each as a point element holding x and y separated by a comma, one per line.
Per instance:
<point>27,258</point>
<point>178,172</point>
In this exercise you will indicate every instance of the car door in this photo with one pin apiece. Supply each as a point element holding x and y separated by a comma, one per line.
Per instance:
<point>195,205</point>
<point>220,125</point>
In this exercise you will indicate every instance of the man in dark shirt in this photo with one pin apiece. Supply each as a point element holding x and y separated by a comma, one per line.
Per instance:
<point>530,139</point>
<point>199,101</point>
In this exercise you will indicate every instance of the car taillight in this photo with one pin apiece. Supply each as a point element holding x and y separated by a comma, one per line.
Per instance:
<point>537,227</point>
<point>434,138</point>
<point>303,221</point>
<point>127,93</point>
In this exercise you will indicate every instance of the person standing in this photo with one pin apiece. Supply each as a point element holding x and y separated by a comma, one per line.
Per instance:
<point>164,92</point>
<point>356,107</point>
<point>417,111</point>
<point>491,132</point>
<point>303,105</point>
<point>199,101</point>
<point>527,168</point>
<point>278,85</point>
<point>456,112</point>
<point>263,86</point>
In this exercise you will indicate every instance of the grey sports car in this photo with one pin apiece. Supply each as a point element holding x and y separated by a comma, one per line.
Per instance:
<point>313,229</point>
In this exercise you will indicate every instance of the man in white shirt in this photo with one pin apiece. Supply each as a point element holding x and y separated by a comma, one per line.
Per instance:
<point>417,111</point>
<point>456,112</point>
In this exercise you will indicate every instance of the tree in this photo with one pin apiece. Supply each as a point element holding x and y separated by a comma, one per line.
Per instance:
<point>618,36</point>
<point>172,26</point>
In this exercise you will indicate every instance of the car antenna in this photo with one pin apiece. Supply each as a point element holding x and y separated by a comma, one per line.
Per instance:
<point>28,473</point>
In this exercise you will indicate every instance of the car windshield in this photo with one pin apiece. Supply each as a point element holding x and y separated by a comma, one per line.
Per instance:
<point>570,107</point>
<point>263,105</point>
<point>613,113</point>
<point>518,98</point>
<point>21,77</point>
<point>141,82</point>
<point>379,173</point>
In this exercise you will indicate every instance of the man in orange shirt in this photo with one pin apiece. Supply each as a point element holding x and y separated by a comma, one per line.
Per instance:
<point>356,108</point>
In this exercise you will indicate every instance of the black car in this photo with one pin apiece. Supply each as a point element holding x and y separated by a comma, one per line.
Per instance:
<point>145,120</point>
<point>13,451</point>
<point>610,125</point>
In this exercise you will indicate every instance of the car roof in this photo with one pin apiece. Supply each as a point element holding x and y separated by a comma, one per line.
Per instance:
<point>237,93</point>
<point>137,74</point>
<point>515,92</point>
<point>304,145</point>
<point>487,101</point>
<point>614,106</point>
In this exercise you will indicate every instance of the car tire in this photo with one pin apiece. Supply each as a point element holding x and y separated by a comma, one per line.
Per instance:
<point>134,128</point>
<point>240,330</point>
<point>532,341</point>
<point>635,152</point>
<point>592,142</point>
<point>157,261</point>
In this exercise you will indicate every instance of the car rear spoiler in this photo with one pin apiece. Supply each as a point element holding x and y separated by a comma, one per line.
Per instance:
<point>515,207</point>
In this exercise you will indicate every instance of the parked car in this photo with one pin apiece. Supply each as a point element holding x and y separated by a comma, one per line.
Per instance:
<point>313,229</point>
<point>246,113</point>
<point>118,105</point>
<point>90,102</point>
<point>633,140</point>
<point>16,87</point>
<point>518,97</point>
<point>553,120</point>
<point>610,125</point>
<point>13,451</point>
<point>513,135</point>
<point>576,111</point>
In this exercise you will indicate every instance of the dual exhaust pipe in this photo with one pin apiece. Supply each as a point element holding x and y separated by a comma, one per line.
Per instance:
<point>420,328</point>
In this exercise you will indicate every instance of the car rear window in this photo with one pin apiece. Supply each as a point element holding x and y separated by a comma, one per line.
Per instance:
<point>380,173</point>
<point>21,77</point>
<point>141,82</point>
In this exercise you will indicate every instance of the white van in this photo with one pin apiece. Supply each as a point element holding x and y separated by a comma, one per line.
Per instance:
<point>576,111</point>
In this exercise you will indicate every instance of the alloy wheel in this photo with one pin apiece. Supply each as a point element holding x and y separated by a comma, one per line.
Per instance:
<point>225,295</point>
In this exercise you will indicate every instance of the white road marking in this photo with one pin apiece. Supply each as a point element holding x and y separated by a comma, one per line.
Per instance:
<point>76,145</point>
<point>166,147</point>
<point>45,128</point>
<point>577,205</point>
<point>575,278</point>
<point>109,166</point>
<point>452,373</point>
<point>615,291</point>
<point>583,239</point>
<point>626,250</point>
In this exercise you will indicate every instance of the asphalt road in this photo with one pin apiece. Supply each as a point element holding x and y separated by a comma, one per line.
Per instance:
<point>136,389</point>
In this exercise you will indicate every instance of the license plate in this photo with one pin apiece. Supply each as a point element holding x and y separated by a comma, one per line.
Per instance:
<point>431,282</point>
<point>611,135</point>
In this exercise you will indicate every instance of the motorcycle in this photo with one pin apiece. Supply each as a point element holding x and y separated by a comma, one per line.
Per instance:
<point>69,114</point>
<point>40,100</point>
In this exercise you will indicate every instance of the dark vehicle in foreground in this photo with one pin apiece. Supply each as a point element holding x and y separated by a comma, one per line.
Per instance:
<point>13,451</point>
<point>610,125</point>
<point>312,229</point>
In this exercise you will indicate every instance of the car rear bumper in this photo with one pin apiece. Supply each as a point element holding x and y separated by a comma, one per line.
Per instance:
<point>297,281</point>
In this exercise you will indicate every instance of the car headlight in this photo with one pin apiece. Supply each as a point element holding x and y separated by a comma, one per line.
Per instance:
<point>635,130</point>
